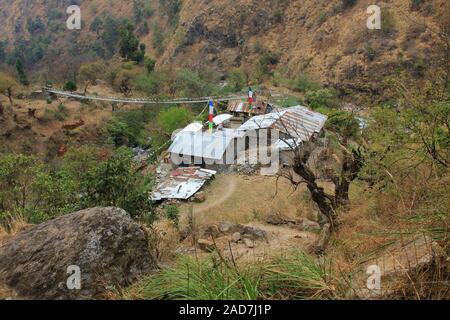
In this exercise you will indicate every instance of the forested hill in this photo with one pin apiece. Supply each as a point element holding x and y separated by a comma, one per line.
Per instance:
<point>326,40</point>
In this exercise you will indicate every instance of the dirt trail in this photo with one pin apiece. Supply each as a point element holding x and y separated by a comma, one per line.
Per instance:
<point>242,199</point>
<point>229,188</point>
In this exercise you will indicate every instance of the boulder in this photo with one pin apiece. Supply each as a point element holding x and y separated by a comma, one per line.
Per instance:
<point>309,225</point>
<point>229,229</point>
<point>226,226</point>
<point>200,197</point>
<point>404,262</point>
<point>253,233</point>
<point>108,247</point>
<point>236,237</point>
<point>277,220</point>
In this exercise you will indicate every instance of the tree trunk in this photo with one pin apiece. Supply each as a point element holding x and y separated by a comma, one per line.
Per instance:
<point>10,97</point>
<point>324,201</point>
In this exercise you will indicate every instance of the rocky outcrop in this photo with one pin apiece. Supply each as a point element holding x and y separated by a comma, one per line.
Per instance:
<point>397,267</point>
<point>107,246</point>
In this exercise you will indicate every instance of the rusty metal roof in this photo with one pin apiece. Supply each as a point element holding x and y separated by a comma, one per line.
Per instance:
<point>182,184</point>
<point>261,107</point>
<point>298,122</point>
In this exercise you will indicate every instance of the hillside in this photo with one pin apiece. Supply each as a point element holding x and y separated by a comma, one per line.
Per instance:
<point>325,40</point>
<point>99,127</point>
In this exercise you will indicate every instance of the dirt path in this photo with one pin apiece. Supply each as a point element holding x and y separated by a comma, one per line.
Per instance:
<point>242,199</point>
<point>229,188</point>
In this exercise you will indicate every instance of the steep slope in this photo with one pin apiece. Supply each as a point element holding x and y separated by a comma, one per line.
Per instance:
<point>328,40</point>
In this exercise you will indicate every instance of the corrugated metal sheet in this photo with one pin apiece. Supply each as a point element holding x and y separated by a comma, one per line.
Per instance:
<point>220,119</point>
<point>203,144</point>
<point>297,122</point>
<point>190,128</point>
<point>300,122</point>
<point>261,122</point>
<point>260,108</point>
<point>193,127</point>
<point>182,184</point>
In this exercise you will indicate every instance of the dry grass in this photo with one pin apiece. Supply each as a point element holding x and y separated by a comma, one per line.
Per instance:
<point>163,239</point>
<point>11,228</point>
<point>6,293</point>
<point>414,206</point>
<point>247,199</point>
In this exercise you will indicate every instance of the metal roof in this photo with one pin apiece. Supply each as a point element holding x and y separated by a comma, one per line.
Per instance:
<point>260,107</point>
<point>182,184</point>
<point>222,118</point>
<point>261,122</point>
<point>298,122</point>
<point>203,144</point>
<point>287,144</point>
<point>192,127</point>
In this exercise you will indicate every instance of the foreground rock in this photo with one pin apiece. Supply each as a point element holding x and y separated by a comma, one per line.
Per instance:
<point>397,267</point>
<point>110,249</point>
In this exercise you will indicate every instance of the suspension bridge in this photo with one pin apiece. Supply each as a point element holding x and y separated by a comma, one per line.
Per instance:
<point>141,100</point>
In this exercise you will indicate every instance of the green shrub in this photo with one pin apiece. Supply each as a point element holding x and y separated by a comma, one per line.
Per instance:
<point>419,67</point>
<point>416,4</point>
<point>267,62</point>
<point>189,83</point>
<point>127,128</point>
<point>150,84</point>
<point>115,182</point>
<point>168,121</point>
<point>343,123</point>
<point>158,38</point>
<point>290,101</point>
<point>61,113</point>
<point>237,80</point>
<point>371,53</point>
<point>70,86</point>
<point>174,118</point>
<point>322,98</point>
<point>302,84</point>
<point>322,17</point>
<point>348,3</point>
<point>149,64</point>
<point>173,213</point>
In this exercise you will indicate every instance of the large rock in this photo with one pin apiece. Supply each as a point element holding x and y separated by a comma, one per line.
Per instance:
<point>398,266</point>
<point>105,243</point>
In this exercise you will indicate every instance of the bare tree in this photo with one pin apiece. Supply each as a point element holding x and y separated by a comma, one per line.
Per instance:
<point>348,161</point>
